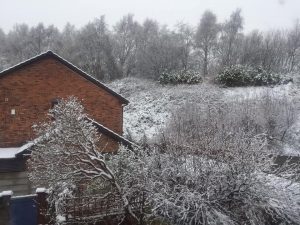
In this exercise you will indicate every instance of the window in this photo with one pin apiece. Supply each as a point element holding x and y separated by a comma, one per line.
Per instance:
<point>13,112</point>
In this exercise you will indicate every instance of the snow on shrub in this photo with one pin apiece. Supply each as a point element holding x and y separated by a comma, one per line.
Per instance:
<point>240,75</point>
<point>67,154</point>
<point>180,77</point>
<point>212,166</point>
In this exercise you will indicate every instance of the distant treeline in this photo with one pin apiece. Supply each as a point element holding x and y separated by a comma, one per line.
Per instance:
<point>130,48</point>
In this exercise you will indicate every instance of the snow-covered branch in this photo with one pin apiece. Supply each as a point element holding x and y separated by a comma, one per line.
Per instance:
<point>67,153</point>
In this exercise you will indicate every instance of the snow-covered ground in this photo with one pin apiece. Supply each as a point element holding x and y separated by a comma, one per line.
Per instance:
<point>151,104</point>
<point>243,93</point>
<point>288,92</point>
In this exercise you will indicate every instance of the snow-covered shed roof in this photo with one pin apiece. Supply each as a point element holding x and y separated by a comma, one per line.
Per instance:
<point>14,152</point>
<point>70,66</point>
<point>120,139</point>
<point>11,153</point>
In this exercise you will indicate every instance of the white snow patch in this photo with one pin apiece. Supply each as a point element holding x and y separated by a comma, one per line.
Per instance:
<point>24,196</point>
<point>41,190</point>
<point>243,93</point>
<point>6,193</point>
<point>60,218</point>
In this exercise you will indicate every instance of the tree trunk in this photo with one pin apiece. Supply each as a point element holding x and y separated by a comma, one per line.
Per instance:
<point>205,61</point>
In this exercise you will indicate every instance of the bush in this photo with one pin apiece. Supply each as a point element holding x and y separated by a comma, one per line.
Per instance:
<point>213,162</point>
<point>197,125</point>
<point>180,77</point>
<point>239,75</point>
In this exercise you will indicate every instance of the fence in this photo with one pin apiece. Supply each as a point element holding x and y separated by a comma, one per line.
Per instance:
<point>99,208</point>
<point>92,209</point>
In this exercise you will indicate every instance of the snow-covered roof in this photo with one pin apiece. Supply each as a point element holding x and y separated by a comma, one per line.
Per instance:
<point>11,153</point>
<point>70,66</point>
<point>112,134</point>
<point>6,193</point>
<point>41,190</point>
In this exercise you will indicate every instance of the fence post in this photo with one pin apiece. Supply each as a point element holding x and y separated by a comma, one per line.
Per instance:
<point>42,206</point>
<point>5,197</point>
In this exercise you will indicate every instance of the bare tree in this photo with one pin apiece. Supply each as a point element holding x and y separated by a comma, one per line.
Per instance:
<point>273,51</point>
<point>18,44</point>
<point>145,61</point>
<point>125,44</point>
<point>95,50</point>
<point>43,38</point>
<point>3,57</point>
<point>231,31</point>
<point>293,46</point>
<point>149,49</point>
<point>206,37</point>
<point>66,153</point>
<point>251,49</point>
<point>185,34</point>
<point>159,50</point>
<point>69,44</point>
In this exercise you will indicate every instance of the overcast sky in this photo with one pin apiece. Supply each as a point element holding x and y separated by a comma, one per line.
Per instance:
<point>260,14</point>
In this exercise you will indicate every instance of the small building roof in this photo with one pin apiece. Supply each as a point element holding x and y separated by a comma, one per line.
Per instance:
<point>120,139</point>
<point>67,64</point>
<point>11,153</point>
<point>15,152</point>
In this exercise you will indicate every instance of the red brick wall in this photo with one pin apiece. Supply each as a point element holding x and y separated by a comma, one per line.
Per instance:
<point>107,144</point>
<point>31,89</point>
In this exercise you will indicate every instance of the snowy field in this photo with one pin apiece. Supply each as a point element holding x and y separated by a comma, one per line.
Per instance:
<point>151,104</point>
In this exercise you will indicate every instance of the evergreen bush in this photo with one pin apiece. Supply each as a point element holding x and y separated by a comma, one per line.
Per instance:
<point>180,77</point>
<point>239,75</point>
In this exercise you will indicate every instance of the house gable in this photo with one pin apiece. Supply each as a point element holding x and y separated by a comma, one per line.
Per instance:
<point>27,92</point>
<point>67,64</point>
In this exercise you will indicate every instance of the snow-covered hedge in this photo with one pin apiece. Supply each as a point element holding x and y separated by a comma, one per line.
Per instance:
<point>180,77</point>
<point>240,75</point>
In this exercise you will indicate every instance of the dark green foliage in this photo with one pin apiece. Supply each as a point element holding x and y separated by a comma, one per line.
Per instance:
<point>239,75</point>
<point>180,77</point>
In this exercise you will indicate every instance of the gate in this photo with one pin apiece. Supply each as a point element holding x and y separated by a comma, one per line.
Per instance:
<point>23,210</point>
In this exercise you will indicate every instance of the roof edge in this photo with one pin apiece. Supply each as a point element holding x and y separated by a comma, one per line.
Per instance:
<point>112,134</point>
<point>70,66</point>
<point>25,149</point>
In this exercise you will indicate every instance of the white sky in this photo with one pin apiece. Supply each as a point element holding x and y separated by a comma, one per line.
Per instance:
<point>260,14</point>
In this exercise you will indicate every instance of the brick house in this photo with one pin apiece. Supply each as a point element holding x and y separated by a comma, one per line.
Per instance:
<point>29,89</point>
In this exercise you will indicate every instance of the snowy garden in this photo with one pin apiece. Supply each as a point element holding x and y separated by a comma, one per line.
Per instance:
<point>152,107</point>
<point>206,155</point>
<point>213,122</point>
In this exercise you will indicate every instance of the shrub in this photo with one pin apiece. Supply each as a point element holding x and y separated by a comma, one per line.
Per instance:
<point>239,75</point>
<point>199,124</point>
<point>180,77</point>
<point>261,77</point>
<point>211,168</point>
